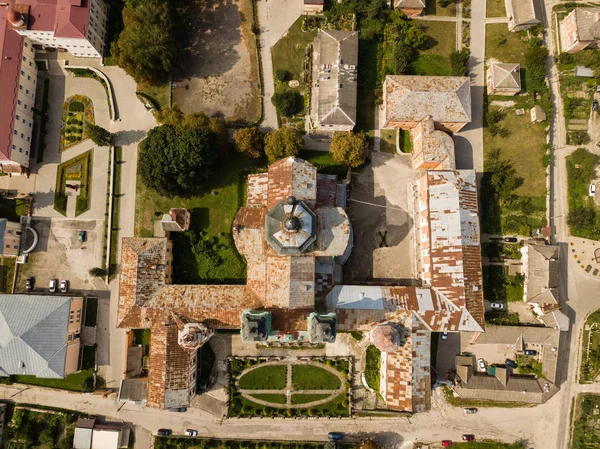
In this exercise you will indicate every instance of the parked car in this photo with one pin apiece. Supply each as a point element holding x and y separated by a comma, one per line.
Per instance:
<point>191,433</point>
<point>445,336</point>
<point>335,436</point>
<point>82,236</point>
<point>511,239</point>
<point>592,189</point>
<point>470,411</point>
<point>446,443</point>
<point>595,105</point>
<point>530,352</point>
<point>497,305</point>
<point>511,363</point>
<point>29,284</point>
<point>481,365</point>
<point>164,432</point>
<point>468,437</point>
<point>64,286</point>
<point>52,285</point>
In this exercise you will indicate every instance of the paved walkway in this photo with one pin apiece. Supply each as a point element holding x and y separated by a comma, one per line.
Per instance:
<point>583,254</point>
<point>459,25</point>
<point>288,390</point>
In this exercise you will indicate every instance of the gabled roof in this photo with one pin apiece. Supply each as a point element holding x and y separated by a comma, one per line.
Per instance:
<point>506,76</point>
<point>522,12</point>
<point>588,23</point>
<point>412,98</point>
<point>542,269</point>
<point>33,335</point>
<point>337,58</point>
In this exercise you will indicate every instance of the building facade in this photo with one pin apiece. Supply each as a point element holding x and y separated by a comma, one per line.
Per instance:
<point>10,238</point>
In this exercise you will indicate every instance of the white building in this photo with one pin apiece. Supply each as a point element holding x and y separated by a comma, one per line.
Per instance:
<point>77,26</point>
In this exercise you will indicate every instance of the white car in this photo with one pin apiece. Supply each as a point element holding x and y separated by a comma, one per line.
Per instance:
<point>191,433</point>
<point>52,285</point>
<point>445,336</point>
<point>592,189</point>
<point>481,365</point>
<point>497,305</point>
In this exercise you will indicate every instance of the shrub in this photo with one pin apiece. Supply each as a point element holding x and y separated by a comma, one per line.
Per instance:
<point>283,142</point>
<point>578,137</point>
<point>499,39</point>
<point>97,272</point>
<point>281,75</point>
<point>459,62</point>
<point>60,203</point>
<point>286,102</point>
<point>445,3</point>
<point>76,106</point>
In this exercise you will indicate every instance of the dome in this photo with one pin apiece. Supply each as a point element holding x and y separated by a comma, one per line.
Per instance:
<point>290,200</point>
<point>15,18</point>
<point>292,224</point>
<point>386,338</point>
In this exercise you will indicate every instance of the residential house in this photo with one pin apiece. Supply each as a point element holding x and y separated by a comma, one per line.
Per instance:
<point>334,76</point>
<point>90,434</point>
<point>407,100</point>
<point>77,26</point>
<point>537,114</point>
<point>313,6</point>
<point>580,29</point>
<point>503,79</point>
<point>523,14</point>
<point>177,220</point>
<point>410,7</point>
<point>10,237</point>
<point>40,335</point>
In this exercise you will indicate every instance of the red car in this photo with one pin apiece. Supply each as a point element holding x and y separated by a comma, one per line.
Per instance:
<point>468,437</point>
<point>446,443</point>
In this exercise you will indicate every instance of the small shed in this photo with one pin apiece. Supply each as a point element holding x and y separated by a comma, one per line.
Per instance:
<point>583,72</point>
<point>537,114</point>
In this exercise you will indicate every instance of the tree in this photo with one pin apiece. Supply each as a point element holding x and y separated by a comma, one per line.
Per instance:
<point>174,160</point>
<point>535,61</point>
<point>445,3</point>
<point>283,142</point>
<point>173,116</point>
<point>581,218</point>
<point>99,135</point>
<point>349,148</point>
<point>98,272</point>
<point>148,47</point>
<point>402,38</point>
<point>281,75</point>
<point>459,62</point>
<point>286,102</point>
<point>249,141</point>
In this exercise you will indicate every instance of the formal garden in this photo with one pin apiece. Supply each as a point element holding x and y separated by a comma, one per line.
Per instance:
<point>77,111</point>
<point>79,172</point>
<point>310,388</point>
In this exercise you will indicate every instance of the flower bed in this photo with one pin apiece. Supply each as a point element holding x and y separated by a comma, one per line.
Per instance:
<point>77,169</point>
<point>77,111</point>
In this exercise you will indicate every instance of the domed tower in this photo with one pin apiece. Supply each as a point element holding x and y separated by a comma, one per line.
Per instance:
<point>15,19</point>
<point>191,336</point>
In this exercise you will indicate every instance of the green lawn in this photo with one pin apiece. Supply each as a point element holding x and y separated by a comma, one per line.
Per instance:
<point>274,398</point>
<point>388,141</point>
<point>72,382</point>
<point>513,50</point>
<point>241,407</point>
<point>590,361</point>
<point>585,433</point>
<point>434,9</point>
<point>8,273</point>
<point>161,94</point>
<point>306,398</point>
<point>141,337</point>
<point>12,210</point>
<point>432,57</point>
<point>324,162</point>
<point>89,357</point>
<point>91,311</point>
<point>270,377</point>
<point>495,8</point>
<point>213,207</point>
<point>372,366</point>
<point>309,377</point>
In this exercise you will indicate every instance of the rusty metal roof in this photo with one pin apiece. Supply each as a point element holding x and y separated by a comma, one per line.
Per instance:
<point>432,147</point>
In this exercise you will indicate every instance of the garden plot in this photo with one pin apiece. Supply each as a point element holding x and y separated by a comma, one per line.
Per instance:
<point>77,112</point>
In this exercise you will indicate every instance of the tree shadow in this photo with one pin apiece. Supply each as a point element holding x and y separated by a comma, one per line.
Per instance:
<point>123,138</point>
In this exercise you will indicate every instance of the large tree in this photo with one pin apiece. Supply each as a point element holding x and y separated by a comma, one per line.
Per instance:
<point>174,160</point>
<point>283,142</point>
<point>99,135</point>
<point>148,47</point>
<point>402,38</point>
<point>250,141</point>
<point>349,149</point>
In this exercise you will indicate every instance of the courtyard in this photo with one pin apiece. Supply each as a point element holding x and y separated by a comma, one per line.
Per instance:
<point>221,76</point>
<point>381,216</point>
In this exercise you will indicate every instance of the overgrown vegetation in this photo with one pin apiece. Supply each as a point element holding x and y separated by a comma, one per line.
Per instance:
<point>459,402</point>
<point>590,357</point>
<point>585,433</point>
<point>372,366</point>
<point>583,218</point>
<point>529,365</point>
<point>195,443</point>
<point>499,287</point>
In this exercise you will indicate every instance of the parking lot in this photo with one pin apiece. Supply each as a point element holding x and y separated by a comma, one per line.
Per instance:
<point>60,255</point>
<point>382,222</point>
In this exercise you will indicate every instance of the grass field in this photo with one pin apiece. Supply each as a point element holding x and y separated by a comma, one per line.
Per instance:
<point>72,382</point>
<point>308,377</point>
<point>498,287</point>
<point>213,207</point>
<point>161,94</point>
<point>432,58</point>
<point>513,50</point>
<point>337,407</point>
<point>585,433</point>
<point>270,377</point>
<point>306,398</point>
<point>388,141</point>
<point>495,8</point>
<point>274,398</point>
<point>433,9</point>
<point>324,162</point>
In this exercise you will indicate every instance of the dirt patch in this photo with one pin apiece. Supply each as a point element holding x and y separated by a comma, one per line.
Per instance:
<point>221,76</point>
<point>381,216</point>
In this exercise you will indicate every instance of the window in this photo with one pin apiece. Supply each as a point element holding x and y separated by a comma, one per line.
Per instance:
<point>20,150</point>
<point>15,132</point>
<point>18,233</point>
<point>14,147</point>
<point>23,120</point>
<point>22,136</point>
<point>27,153</point>
<point>19,101</point>
<point>9,231</point>
<point>22,73</point>
<point>24,58</point>
<point>29,63</point>
<point>25,106</point>
<point>15,246</point>
<point>20,87</point>
<point>27,91</point>
<point>18,118</point>
<point>29,139</point>
<point>30,124</point>
<point>28,78</point>
<point>26,45</point>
